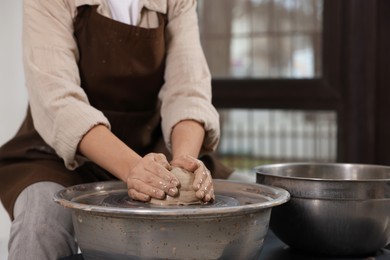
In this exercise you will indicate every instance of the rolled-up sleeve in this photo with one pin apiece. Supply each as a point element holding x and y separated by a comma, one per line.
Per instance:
<point>186,93</point>
<point>61,112</point>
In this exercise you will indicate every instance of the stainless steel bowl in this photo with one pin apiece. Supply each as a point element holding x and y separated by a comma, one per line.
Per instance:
<point>338,209</point>
<point>109,225</point>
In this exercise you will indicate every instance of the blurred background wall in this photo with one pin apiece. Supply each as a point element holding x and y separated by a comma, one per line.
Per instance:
<point>13,96</point>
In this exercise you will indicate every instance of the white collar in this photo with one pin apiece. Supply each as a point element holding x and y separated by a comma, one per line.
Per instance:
<point>160,6</point>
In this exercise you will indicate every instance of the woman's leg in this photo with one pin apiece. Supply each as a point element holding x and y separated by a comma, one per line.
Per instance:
<point>42,229</point>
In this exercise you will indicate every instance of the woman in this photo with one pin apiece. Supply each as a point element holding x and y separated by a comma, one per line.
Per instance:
<point>112,94</point>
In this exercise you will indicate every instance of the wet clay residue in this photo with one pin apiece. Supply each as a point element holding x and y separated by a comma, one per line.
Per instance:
<point>186,194</point>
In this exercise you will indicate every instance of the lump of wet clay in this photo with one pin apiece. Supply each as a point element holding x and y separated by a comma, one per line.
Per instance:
<point>186,195</point>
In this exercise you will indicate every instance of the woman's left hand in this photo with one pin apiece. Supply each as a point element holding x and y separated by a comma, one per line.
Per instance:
<point>203,183</point>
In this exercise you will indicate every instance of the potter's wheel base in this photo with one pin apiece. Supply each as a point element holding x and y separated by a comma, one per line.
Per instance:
<point>122,200</point>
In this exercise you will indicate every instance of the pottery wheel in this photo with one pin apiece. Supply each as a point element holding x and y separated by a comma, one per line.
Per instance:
<point>111,197</point>
<point>186,196</point>
<point>122,200</point>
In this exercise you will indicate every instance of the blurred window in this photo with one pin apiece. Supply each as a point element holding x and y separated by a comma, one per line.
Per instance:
<point>262,38</point>
<point>268,39</point>
<point>252,137</point>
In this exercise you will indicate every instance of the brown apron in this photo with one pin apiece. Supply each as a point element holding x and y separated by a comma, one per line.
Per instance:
<point>122,70</point>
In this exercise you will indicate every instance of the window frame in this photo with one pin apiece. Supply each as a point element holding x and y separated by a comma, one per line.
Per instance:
<point>348,84</point>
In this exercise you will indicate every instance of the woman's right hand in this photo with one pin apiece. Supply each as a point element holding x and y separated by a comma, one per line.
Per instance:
<point>146,177</point>
<point>151,178</point>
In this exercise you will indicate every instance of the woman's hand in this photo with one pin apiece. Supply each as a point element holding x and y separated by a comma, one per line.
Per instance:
<point>203,182</point>
<point>146,177</point>
<point>151,178</point>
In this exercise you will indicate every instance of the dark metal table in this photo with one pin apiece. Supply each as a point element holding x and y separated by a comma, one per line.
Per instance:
<point>274,249</point>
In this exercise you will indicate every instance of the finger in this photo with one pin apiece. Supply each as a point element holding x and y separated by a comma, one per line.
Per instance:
<point>203,184</point>
<point>162,173</point>
<point>155,183</point>
<point>162,160</point>
<point>210,196</point>
<point>171,190</point>
<point>201,175</point>
<point>143,187</point>
<point>155,175</point>
<point>187,162</point>
<point>206,191</point>
<point>135,195</point>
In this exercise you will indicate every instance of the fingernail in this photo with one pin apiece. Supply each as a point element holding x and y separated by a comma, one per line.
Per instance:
<point>175,182</point>
<point>172,191</point>
<point>160,194</point>
<point>208,198</point>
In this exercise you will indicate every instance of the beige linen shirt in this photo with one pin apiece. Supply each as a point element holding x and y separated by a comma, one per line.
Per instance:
<point>60,108</point>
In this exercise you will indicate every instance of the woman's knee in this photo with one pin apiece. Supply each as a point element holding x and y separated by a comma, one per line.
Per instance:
<point>41,227</point>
